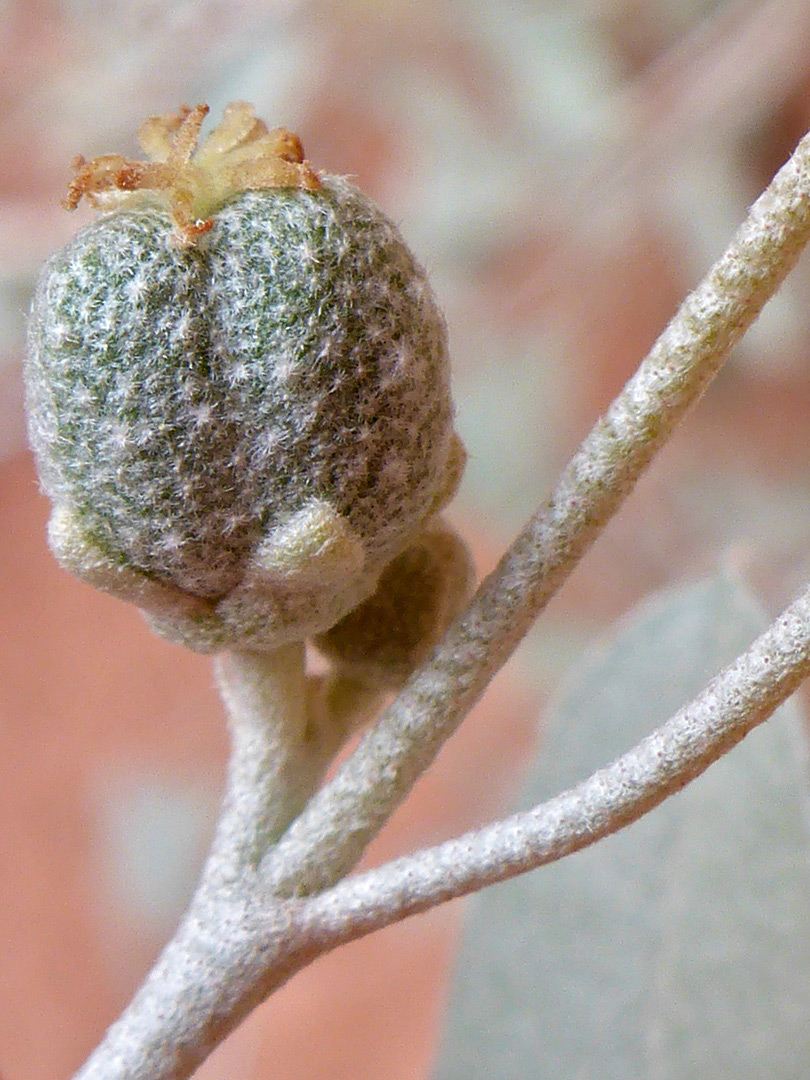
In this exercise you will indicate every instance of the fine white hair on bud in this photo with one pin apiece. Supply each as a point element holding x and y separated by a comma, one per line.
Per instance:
<point>239,425</point>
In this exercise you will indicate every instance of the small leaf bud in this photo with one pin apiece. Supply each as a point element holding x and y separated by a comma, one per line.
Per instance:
<point>386,637</point>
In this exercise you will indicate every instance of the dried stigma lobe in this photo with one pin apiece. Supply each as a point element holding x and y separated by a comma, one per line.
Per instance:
<point>193,180</point>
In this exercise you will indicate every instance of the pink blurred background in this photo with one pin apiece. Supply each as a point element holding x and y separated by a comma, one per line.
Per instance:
<point>566,171</point>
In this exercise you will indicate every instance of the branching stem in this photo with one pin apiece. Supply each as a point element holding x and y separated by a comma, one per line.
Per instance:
<point>285,729</point>
<point>739,699</point>
<point>327,839</point>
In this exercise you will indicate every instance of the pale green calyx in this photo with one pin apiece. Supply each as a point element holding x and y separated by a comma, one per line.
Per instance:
<point>241,427</point>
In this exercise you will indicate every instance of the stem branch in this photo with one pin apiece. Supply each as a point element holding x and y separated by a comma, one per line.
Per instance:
<point>285,729</point>
<point>740,698</point>
<point>325,842</point>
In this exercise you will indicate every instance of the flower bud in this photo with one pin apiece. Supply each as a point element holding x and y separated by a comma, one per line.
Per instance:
<point>238,387</point>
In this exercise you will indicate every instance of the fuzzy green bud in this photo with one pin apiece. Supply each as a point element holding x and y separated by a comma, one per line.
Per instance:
<point>240,421</point>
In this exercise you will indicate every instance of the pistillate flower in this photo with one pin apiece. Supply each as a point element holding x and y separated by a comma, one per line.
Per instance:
<point>238,388</point>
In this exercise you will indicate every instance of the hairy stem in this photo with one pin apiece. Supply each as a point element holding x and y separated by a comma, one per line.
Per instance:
<point>285,730</point>
<point>740,698</point>
<point>269,771</point>
<point>327,839</point>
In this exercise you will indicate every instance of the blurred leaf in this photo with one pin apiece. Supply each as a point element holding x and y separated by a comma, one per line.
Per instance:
<point>679,948</point>
<point>154,831</point>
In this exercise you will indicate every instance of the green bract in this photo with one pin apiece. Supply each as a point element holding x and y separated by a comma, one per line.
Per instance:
<point>240,433</point>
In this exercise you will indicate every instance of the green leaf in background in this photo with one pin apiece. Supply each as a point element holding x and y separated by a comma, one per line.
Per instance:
<point>679,948</point>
